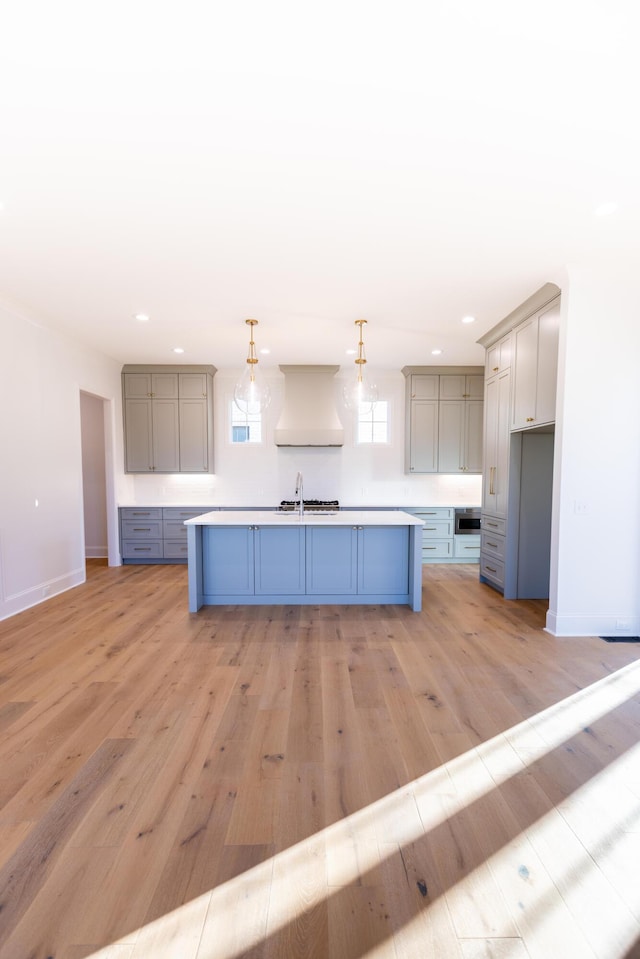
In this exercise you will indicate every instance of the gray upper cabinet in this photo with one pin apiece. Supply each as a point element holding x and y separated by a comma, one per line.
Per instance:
<point>444,419</point>
<point>460,436</point>
<point>535,368</point>
<point>461,387</point>
<point>168,418</point>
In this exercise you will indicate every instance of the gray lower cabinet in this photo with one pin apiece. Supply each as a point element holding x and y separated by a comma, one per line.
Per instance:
<point>155,534</point>
<point>439,542</point>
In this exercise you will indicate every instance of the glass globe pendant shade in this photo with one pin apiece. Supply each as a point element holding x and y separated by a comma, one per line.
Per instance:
<point>360,395</point>
<point>251,394</point>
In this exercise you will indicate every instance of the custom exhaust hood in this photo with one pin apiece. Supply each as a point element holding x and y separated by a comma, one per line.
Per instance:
<point>309,416</point>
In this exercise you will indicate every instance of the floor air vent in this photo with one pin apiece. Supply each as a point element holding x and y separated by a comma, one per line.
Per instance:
<point>621,639</point>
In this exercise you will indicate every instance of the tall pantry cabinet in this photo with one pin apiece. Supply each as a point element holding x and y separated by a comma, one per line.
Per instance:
<point>519,418</point>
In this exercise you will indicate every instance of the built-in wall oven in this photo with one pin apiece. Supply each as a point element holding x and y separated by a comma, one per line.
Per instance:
<point>467,520</point>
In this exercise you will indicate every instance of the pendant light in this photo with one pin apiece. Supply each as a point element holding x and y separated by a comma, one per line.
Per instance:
<point>251,394</point>
<point>360,394</point>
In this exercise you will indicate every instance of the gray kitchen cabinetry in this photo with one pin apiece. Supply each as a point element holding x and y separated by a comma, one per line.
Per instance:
<point>444,419</point>
<point>535,367</point>
<point>519,416</point>
<point>439,544</point>
<point>168,418</point>
<point>498,356</point>
<point>155,534</point>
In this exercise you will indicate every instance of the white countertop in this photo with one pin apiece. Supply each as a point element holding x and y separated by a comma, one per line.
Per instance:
<point>345,517</point>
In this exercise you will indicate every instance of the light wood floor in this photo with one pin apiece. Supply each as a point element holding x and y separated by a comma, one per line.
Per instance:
<point>330,782</point>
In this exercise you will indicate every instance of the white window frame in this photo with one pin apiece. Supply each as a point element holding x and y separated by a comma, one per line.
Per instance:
<point>238,419</point>
<point>369,419</point>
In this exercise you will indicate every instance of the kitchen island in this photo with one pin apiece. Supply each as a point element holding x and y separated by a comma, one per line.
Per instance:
<point>251,557</point>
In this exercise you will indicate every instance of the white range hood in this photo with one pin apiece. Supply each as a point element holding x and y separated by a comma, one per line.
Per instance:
<point>309,416</point>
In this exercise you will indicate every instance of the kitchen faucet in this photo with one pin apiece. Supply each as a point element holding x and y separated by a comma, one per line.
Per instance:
<point>299,493</point>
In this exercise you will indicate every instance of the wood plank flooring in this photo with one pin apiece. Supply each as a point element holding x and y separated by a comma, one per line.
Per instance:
<point>331,782</point>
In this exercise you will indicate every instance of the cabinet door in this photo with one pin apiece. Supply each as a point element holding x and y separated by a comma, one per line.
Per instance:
<point>474,387</point>
<point>501,478</point>
<point>423,437</point>
<point>452,386</point>
<point>451,435</point>
<point>227,560</point>
<point>498,356</point>
<point>332,554</point>
<point>137,385</point>
<point>496,444</point>
<point>138,432</point>
<point>194,453</point>
<point>548,334</point>
<point>166,446</point>
<point>192,386</point>
<point>473,411</point>
<point>525,371</point>
<point>424,386</point>
<point>383,559</point>
<point>164,386</point>
<point>280,560</point>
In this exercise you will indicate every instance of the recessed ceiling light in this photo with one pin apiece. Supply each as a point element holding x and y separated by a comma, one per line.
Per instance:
<point>178,349</point>
<point>468,319</point>
<point>436,352</point>
<point>606,209</point>
<point>142,317</point>
<point>351,352</point>
<point>265,350</point>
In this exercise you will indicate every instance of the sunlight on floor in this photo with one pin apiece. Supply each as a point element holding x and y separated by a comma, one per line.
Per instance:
<point>549,886</point>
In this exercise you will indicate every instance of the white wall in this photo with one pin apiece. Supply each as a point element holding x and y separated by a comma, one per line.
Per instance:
<point>595,573</point>
<point>264,475</point>
<point>41,516</point>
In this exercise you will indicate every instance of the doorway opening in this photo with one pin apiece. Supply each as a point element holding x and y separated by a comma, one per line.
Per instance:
<point>100,520</point>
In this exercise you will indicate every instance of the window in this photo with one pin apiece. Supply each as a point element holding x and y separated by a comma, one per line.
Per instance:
<point>373,423</point>
<point>245,427</point>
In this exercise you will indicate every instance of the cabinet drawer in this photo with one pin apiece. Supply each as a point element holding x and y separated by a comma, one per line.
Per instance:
<point>437,529</point>
<point>135,549</point>
<point>466,547</point>
<point>492,569</point>
<point>493,544</point>
<point>141,529</point>
<point>141,512</point>
<point>175,529</point>
<point>437,550</point>
<point>493,524</point>
<point>437,512</point>
<point>174,549</point>
<point>184,512</point>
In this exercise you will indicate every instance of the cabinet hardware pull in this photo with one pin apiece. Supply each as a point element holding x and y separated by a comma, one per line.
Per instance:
<point>530,419</point>
<point>141,529</point>
<point>471,547</point>
<point>495,545</point>
<point>491,569</point>
<point>141,549</point>
<point>495,369</point>
<point>492,473</point>
<point>465,395</point>
<point>429,547</point>
<point>430,529</point>
<point>495,525</point>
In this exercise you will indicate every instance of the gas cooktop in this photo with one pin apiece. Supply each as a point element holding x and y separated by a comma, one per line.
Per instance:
<point>310,505</point>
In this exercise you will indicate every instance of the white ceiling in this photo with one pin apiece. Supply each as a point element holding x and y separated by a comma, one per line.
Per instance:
<point>307,165</point>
